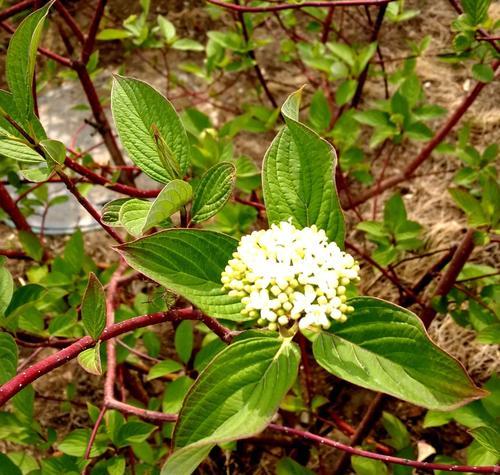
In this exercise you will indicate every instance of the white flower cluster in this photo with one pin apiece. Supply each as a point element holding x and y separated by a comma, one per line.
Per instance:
<point>284,275</point>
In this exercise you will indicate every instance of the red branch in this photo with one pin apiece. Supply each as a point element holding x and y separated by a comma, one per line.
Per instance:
<point>384,458</point>
<point>50,54</point>
<point>88,206</point>
<point>10,207</point>
<point>70,21</point>
<point>289,6</point>
<point>88,46</point>
<point>20,381</point>
<point>426,151</point>
<point>13,254</point>
<point>447,281</point>
<point>100,180</point>
<point>15,9</point>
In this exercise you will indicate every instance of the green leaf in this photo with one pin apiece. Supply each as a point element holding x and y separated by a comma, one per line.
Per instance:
<point>134,432</point>
<point>400,438</point>
<point>21,59</point>
<point>175,393</point>
<point>116,466</point>
<point>319,112</point>
<point>213,191</point>
<point>90,360</point>
<point>110,213</point>
<point>394,212</point>
<point>476,9</point>
<point>345,92</point>
<point>184,340</point>
<point>167,28</point>
<point>235,396</point>
<point>54,150</point>
<point>489,438</point>
<point>110,34</point>
<point>17,149</point>
<point>288,466</point>
<point>31,244</point>
<point>141,114</point>
<point>186,44</point>
<point>478,455</point>
<point>298,177</point>
<point>470,205</point>
<point>483,72</point>
<point>174,195</point>
<point>373,118</point>
<point>76,442</point>
<point>385,348</point>
<point>93,307</point>
<point>8,357</point>
<point>364,466</point>
<point>133,215</point>
<point>188,262</point>
<point>344,52</point>
<point>6,289</point>
<point>8,466</point>
<point>74,252</point>
<point>162,368</point>
<point>489,335</point>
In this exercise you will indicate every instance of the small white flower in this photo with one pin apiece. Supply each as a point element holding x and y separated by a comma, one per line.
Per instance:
<point>284,275</point>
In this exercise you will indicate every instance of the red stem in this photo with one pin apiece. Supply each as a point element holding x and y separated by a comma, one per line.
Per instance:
<point>104,128</point>
<point>70,21</point>
<point>384,458</point>
<point>88,206</point>
<point>144,413</point>
<point>15,9</point>
<point>100,180</point>
<point>10,207</point>
<point>449,278</point>
<point>20,381</point>
<point>13,254</point>
<point>289,6</point>
<point>88,46</point>
<point>93,435</point>
<point>50,54</point>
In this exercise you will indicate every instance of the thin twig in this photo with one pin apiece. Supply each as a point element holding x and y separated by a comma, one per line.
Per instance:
<point>447,281</point>
<point>88,206</point>
<point>251,54</point>
<point>384,458</point>
<point>362,431</point>
<point>70,21</point>
<point>10,207</point>
<point>290,6</point>
<point>364,74</point>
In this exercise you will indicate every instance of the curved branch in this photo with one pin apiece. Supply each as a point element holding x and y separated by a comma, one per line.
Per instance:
<point>290,6</point>
<point>20,381</point>
<point>384,458</point>
<point>100,180</point>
